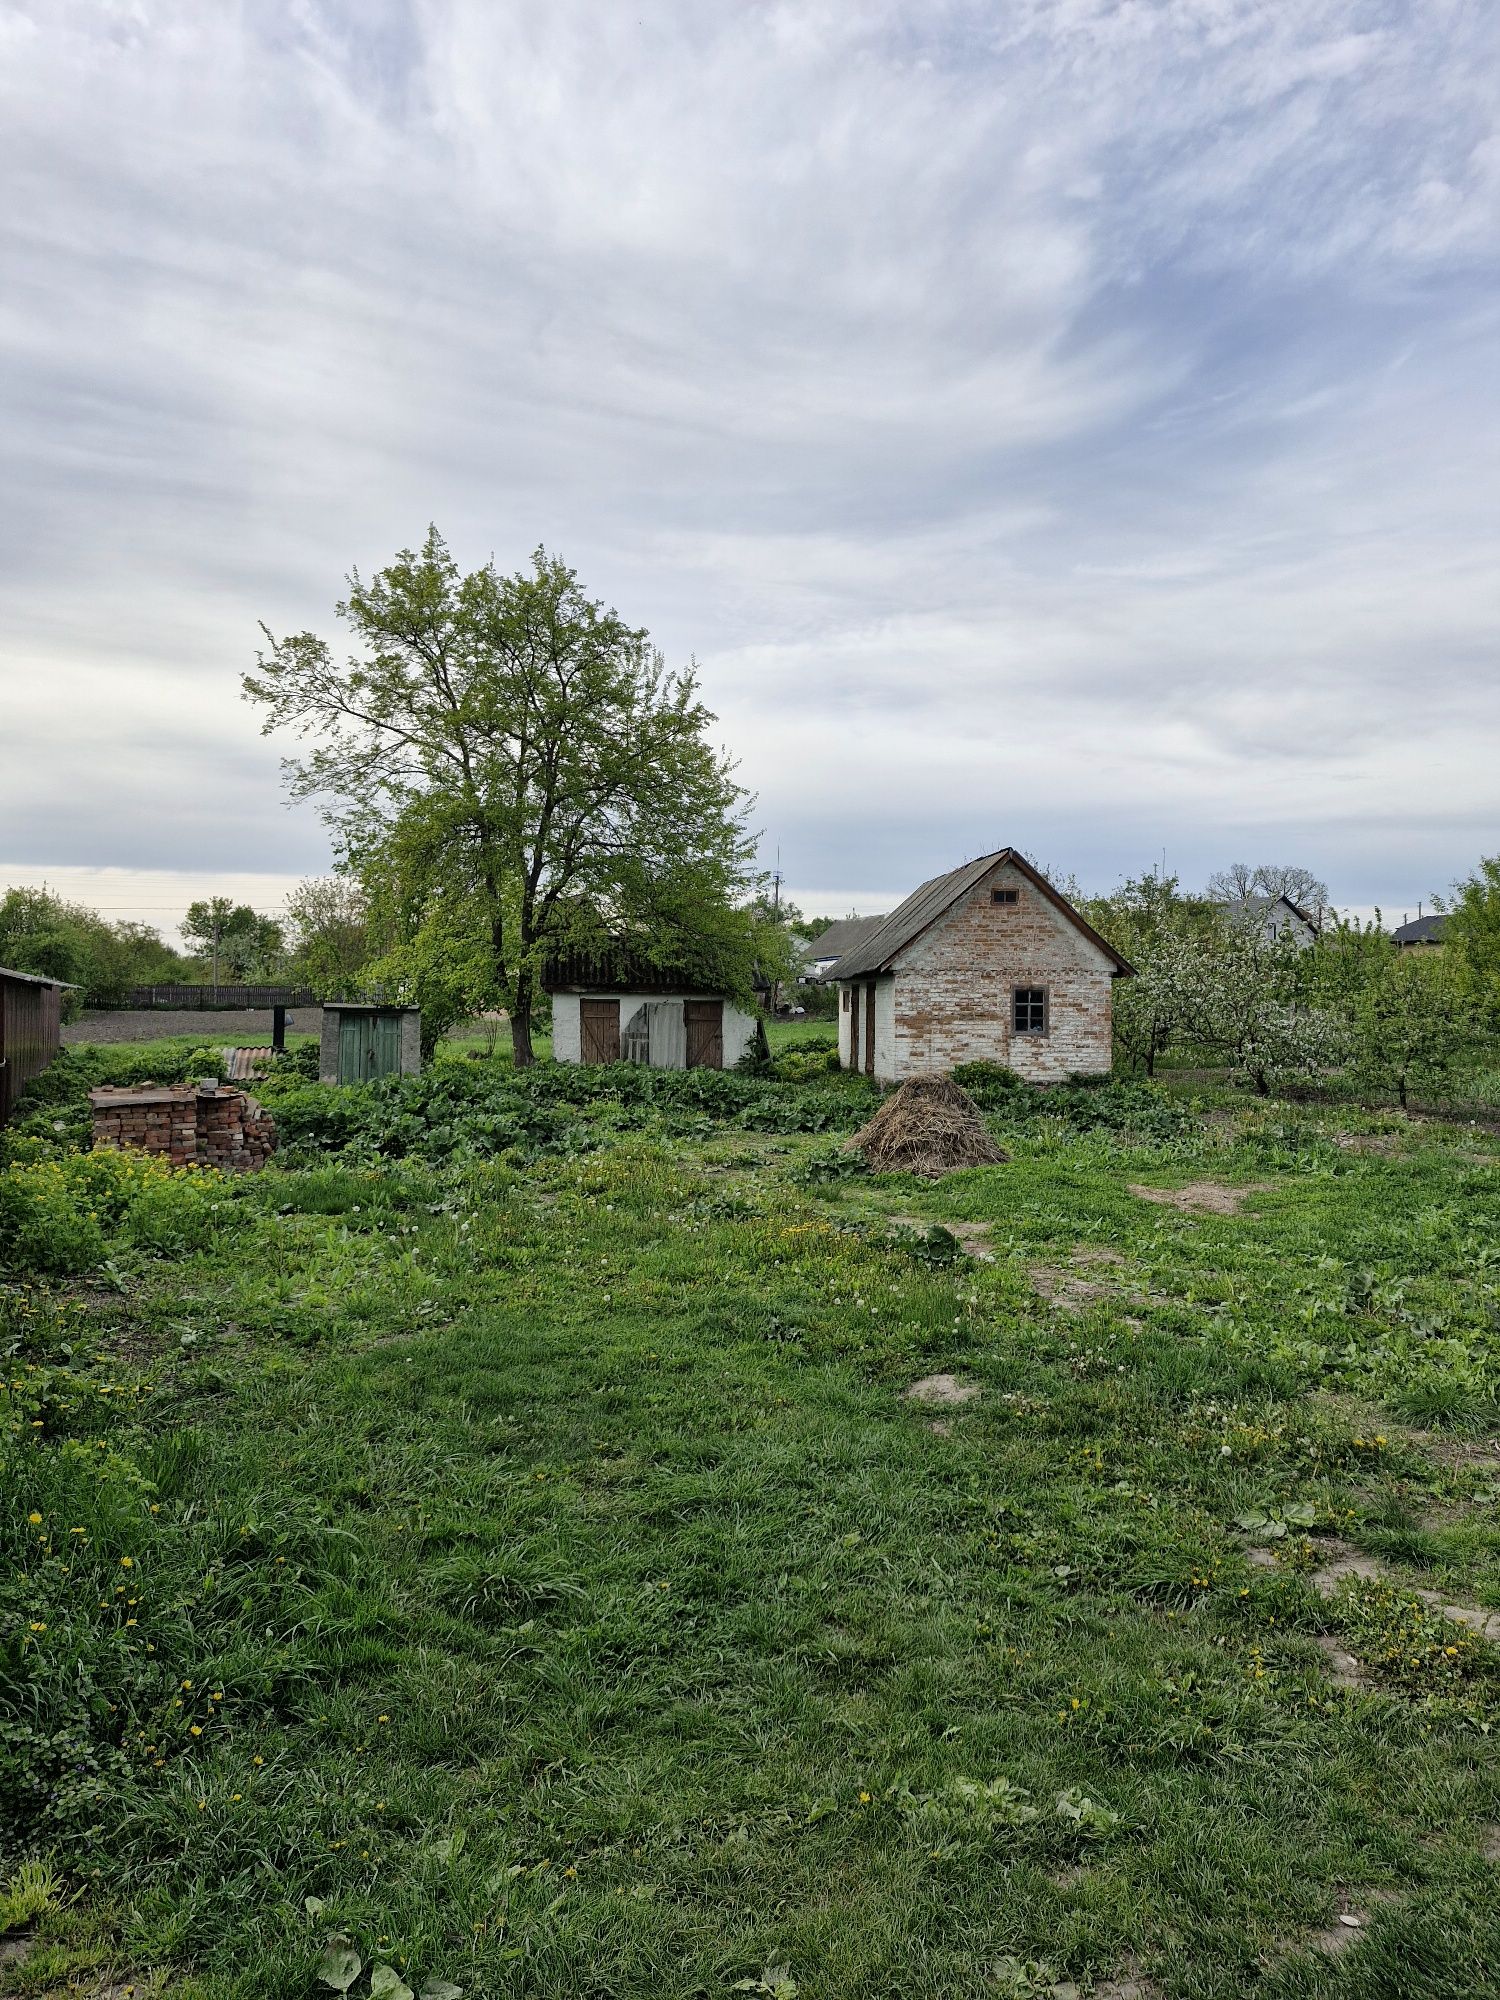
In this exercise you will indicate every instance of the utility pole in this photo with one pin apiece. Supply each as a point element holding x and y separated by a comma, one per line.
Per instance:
<point>216,954</point>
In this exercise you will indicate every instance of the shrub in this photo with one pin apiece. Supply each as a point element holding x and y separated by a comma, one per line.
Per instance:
<point>60,1217</point>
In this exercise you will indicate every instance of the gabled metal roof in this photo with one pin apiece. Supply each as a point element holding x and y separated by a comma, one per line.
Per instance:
<point>844,936</point>
<point>923,907</point>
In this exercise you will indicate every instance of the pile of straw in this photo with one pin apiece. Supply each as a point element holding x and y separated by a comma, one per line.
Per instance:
<point>930,1127</point>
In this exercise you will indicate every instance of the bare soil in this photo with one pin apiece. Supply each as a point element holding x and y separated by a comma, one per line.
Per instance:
<point>1201,1197</point>
<point>231,1027</point>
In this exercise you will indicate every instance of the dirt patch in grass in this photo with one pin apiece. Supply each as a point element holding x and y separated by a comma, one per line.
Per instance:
<point>973,1238</point>
<point>1343,1562</point>
<point>1065,1291</point>
<point>1069,1291</point>
<point>1132,1984</point>
<point>1343,1669</point>
<point>1379,1145</point>
<point>944,1390</point>
<point>1201,1197</point>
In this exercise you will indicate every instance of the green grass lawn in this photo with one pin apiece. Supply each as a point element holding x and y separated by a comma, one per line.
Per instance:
<point>528,1573</point>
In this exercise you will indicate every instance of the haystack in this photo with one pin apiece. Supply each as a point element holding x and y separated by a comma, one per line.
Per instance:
<point>929,1126</point>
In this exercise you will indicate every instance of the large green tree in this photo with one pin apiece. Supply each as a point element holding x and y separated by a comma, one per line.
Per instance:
<point>236,942</point>
<point>513,770</point>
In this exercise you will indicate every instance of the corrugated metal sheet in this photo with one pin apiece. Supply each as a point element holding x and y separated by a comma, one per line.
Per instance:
<point>30,1018</point>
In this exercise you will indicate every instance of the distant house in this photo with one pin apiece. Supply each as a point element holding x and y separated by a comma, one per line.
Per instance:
<point>825,952</point>
<point>1274,916</point>
<point>987,962</point>
<point>30,1031</point>
<point>1421,934</point>
<point>609,1008</point>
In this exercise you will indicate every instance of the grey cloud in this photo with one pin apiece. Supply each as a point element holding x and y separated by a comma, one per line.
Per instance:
<point>1076,422</point>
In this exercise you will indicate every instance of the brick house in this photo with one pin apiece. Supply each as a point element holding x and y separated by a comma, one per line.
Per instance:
<point>986,963</point>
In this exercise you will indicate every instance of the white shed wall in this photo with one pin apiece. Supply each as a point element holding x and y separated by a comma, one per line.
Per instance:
<point>885,1026</point>
<point>567,1023</point>
<point>567,1028</point>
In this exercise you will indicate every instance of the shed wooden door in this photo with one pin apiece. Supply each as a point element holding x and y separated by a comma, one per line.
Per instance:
<point>869,1027</point>
<point>704,1021</point>
<point>385,1045</point>
<point>599,1026</point>
<point>853,1062</point>
<point>356,1048</point>
<point>369,1046</point>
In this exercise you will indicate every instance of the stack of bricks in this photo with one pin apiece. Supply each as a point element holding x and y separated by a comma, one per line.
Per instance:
<point>192,1125</point>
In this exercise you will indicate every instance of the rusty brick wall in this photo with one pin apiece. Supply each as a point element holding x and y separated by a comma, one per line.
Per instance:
<point>954,989</point>
<point>191,1127</point>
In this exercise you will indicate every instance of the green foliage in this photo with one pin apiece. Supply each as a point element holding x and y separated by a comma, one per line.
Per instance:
<point>42,933</point>
<point>328,923</point>
<point>1472,936</point>
<point>1087,1104</point>
<point>63,1216</point>
<point>476,1111</point>
<point>244,946</point>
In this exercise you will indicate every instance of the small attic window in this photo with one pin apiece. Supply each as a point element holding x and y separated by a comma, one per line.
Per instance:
<point>1008,897</point>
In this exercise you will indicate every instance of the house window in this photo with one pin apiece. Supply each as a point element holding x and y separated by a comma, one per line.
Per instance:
<point>1029,1010</point>
<point>1009,897</point>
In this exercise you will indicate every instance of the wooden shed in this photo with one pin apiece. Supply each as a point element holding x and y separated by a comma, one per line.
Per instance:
<point>610,1008</point>
<point>30,1031</point>
<point>363,1039</point>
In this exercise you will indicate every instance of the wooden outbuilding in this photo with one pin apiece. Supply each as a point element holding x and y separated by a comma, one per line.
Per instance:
<point>985,963</point>
<point>30,1031</point>
<point>609,1008</point>
<point>364,1039</point>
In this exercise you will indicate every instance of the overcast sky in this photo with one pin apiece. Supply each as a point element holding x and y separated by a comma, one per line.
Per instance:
<point>1055,422</point>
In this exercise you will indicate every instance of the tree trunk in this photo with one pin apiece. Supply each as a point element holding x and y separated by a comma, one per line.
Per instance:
<point>522,1054</point>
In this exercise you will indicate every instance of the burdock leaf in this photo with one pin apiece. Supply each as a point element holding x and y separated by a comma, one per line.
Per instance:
<point>339,1967</point>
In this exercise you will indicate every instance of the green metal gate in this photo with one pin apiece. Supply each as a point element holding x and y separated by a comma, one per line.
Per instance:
<point>369,1046</point>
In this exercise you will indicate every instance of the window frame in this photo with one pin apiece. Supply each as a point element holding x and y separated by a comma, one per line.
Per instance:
<point>1016,1003</point>
<point>1005,899</point>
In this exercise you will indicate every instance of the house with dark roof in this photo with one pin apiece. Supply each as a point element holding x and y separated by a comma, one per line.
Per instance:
<point>985,963</point>
<point>1421,933</point>
<point>828,948</point>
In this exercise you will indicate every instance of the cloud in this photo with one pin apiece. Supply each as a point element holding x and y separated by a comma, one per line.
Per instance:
<point>1071,424</point>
